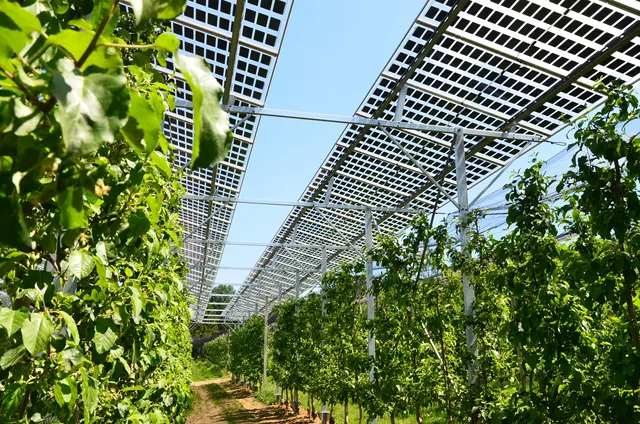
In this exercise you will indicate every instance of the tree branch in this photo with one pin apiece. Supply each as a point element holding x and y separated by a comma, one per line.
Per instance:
<point>96,36</point>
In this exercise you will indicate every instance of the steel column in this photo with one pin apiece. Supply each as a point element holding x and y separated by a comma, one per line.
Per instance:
<point>266,343</point>
<point>370,298</point>
<point>469,293</point>
<point>278,395</point>
<point>325,413</point>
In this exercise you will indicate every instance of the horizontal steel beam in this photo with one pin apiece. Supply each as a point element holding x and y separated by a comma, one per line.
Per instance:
<point>354,120</point>
<point>291,245</point>
<point>303,204</point>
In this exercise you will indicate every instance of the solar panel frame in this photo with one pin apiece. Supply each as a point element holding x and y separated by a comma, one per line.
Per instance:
<point>525,66</point>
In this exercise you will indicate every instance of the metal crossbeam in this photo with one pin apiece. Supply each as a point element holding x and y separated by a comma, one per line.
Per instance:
<point>400,125</point>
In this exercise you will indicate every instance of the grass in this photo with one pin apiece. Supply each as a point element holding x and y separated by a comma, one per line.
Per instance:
<point>267,396</point>
<point>202,370</point>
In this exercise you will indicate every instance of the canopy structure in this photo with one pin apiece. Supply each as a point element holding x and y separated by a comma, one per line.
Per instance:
<point>472,85</point>
<point>241,41</point>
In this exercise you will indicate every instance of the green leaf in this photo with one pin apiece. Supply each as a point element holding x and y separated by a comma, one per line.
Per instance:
<point>155,206</point>
<point>93,105</point>
<point>106,334</point>
<point>16,24</point>
<point>102,270</point>
<point>75,43</point>
<point>101,252</point>
<point>100,10</point>
<point>136,302</point>
<point>71,324</point>
<point>80,264</point>
<point>161,162</point>
<point>167,41</point>
<point>36,332</point>
<point>12,320</point>
<point>12,399</point>
<point>90,392</point>
<point>139,224</point>
<point>66,392</point>
<point>71,205</point>
<point>143,127</point>
<point>82,24</point>
<point>212,136</point>
<point>13,231</point>
<point>71,357</point>
<point>157,9</point>
<point>11,357</point>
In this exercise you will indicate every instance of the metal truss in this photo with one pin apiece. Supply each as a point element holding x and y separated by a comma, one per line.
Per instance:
<point>484,81</point>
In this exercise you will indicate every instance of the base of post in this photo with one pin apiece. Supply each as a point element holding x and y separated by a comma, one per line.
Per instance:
<point>324,416</point>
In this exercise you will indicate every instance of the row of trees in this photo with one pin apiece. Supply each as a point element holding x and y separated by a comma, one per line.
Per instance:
<point>556,321</point>
<point>93,326</point>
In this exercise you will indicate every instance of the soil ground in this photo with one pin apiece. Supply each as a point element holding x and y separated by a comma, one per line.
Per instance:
<point>222,402</point>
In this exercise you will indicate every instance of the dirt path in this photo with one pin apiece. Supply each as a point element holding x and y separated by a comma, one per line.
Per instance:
<point>222,402</point>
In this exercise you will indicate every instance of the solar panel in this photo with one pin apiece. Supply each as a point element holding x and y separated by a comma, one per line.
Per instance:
<point>524,66</point>
<point>241,41</point>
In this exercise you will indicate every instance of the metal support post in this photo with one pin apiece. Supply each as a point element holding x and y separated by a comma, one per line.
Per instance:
<point>469,293</point>
<point>278,390</point>
<point>266,343</point>
<point>325,414</point>
<point>370,298</point>
<point>294,401</point>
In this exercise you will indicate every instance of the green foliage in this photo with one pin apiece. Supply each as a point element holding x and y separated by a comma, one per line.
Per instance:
<point>97,328</point>
<point>202,370</point>
<point>246,350</point>
<point>419,325</point>
<point>216,353</point>
<point>557,321</point>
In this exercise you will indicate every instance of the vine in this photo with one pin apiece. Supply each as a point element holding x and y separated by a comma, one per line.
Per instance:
<point>96,326</point>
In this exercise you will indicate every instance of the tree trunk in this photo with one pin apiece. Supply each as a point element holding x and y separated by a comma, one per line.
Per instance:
<point>392,418</point>
<point>296,406</point>
<point>418,416</point>
<point>313,408</point>
<point>359,413</point>
<point>346,410</point>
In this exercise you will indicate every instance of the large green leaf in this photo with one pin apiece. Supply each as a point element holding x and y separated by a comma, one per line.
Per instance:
<point>71,205</point>
<point>106,334</point>
<point>36,332</point>
<point>12,398</point>
<point>76,43</point>
<point>90,392</point>
<point>11,357</point>
<point>136,301</point>
<point>80,264</point>
<point>93,105</point>
<point>212,136</point>
<point>71,324</point>
<point>143,127</point>
<point>8,261</point>
<point>139,224</point>
<point>157,9</point>
<point>65,392</point>
<point>167,41</point>
<point>16,24</point>
<point>100,10</point>
<point>12,320</point>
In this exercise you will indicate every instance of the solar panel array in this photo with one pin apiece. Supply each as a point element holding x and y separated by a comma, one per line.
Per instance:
<point>523,66</point>
<point>243,61</point>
